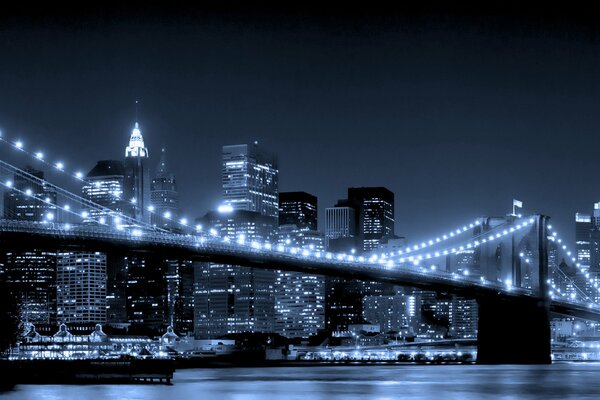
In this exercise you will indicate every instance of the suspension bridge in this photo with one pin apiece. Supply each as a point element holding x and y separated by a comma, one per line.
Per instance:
<point>509,264</point>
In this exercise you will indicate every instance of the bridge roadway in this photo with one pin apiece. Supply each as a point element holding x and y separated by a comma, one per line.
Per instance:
<point>25,235</point>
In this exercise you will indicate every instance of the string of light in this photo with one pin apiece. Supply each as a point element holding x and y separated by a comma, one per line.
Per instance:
<point>79,177</point>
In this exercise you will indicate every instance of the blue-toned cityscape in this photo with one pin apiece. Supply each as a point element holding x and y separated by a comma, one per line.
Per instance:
<point>299,200</point>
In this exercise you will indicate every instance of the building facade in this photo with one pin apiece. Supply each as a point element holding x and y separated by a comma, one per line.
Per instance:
<point>164,197</point>
<point>81,287</point>
<point>250,179</point>
<point>104,185</point>
<point>137,176</point>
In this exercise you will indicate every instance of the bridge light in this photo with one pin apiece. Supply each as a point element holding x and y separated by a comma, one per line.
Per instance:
<point>28,192</point>
<point>47,200</point>
<point>60,166</point>
<point>508,282</point>
<point>167,214</point>
<point>491,237</point>
<point>136,232</point>
<point>39,155</point>
<point>117,220</point>
<point>353,251</point>
<point>85,214</point>
<point>451,234</point>
<point>415,247</point>
<point>8,183</point>
<point>433,267</point>
<point>437,240</point>
<point>151,208</point>
<point>102,220</point>
<point>361,259</point>
<point>531,220</point>
<point>19,144</point>
<point>78,175</point>
<point>213,232</point>
<point>50,216</point>
<point>430,242</point>
<point>390,264</point>
<point>183,221</point>
<point>67,207</point>
<point>199,228</point>
<point>466,272</point>
<point>445,237</point>
<point>67,226</point>
<point>471,226</point>
<point>133,200</point>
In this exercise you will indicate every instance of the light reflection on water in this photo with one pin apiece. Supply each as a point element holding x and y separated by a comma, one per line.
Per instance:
<point>465,382</point>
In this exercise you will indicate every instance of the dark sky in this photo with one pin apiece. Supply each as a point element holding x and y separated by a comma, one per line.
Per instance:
<point>455,111</point>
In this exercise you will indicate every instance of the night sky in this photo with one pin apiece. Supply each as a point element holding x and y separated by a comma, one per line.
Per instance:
<point>455,112</point>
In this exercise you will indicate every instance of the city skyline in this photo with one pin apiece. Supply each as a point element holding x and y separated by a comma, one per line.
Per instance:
<point>312,90</point>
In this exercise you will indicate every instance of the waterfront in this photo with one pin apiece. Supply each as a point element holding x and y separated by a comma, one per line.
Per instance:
<point>556,381</point>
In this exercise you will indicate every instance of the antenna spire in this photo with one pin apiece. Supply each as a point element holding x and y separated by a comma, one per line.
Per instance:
<point>137,102</point>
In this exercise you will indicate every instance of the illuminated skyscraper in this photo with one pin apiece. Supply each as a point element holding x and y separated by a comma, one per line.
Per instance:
<point>164,197</point>
<point>30,201</point>
<point>299,297</point>
<point>31,273</point>
<point>137,176</point>
<point>583,230</point>
<point>250,179</point>
<point>375,214</point>
<point>299,209</point>
<point>230,298</point>
<point>104,185</point>
<point>81,287</point>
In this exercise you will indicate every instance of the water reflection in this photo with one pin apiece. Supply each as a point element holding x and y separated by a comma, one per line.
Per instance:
<point>465,382</point>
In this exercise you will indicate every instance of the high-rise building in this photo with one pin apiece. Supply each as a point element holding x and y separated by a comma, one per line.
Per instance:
<point>250,179</point>
<point>375,214</point>
<point>164,197</point>
<point>230,298</point>
<point>343,305</point>
<point>299,209</point>
<point>299,297</point>
<point>32,275</point>
<point>393,313</point>
<point>104,185</point>
<point>180,295</point>
<point>31,198</point>
<point>583,229</point>
<point>81,287</point>
<point>137,176</point>
<point>340,227</point>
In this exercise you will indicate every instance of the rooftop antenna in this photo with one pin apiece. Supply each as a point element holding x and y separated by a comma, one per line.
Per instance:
<point>136,110</point>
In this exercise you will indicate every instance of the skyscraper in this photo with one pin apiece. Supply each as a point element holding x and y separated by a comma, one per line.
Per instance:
<point>230,298</point>
<point>29,201</point>
<point>299,209</point>
<point>375,214</point>
<point>81,287</point>
<point>583,230</point>
<point>340,227</point>
<point>137,176</point>
<point>31,273</point>
<point>164,197</point>
<point>299,298</point>
<point>250,179</point>
<point>104,185</point>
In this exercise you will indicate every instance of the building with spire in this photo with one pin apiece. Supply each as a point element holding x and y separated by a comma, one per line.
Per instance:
<point>164,197</point>
<point>137,176</point>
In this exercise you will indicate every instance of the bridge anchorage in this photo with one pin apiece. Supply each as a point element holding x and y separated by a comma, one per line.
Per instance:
<point>501,262</point>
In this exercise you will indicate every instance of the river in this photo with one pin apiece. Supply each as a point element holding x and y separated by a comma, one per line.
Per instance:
<point>439,382</point>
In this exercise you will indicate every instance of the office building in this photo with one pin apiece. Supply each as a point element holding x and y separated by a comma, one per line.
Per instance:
<point>164,197</point>
<point>375,215</point>
<point>299,209</point>
<point>81,287</point>
<point>249,179</point>
<point>104,185</point>
<point>137,176</point>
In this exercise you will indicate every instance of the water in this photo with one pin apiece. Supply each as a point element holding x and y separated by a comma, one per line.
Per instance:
<point>470,382</point>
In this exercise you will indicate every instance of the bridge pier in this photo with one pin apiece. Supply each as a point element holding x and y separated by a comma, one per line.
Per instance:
<point>513,331</point>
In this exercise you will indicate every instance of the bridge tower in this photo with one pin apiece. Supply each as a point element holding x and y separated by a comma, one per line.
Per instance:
<point>515,330</point>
